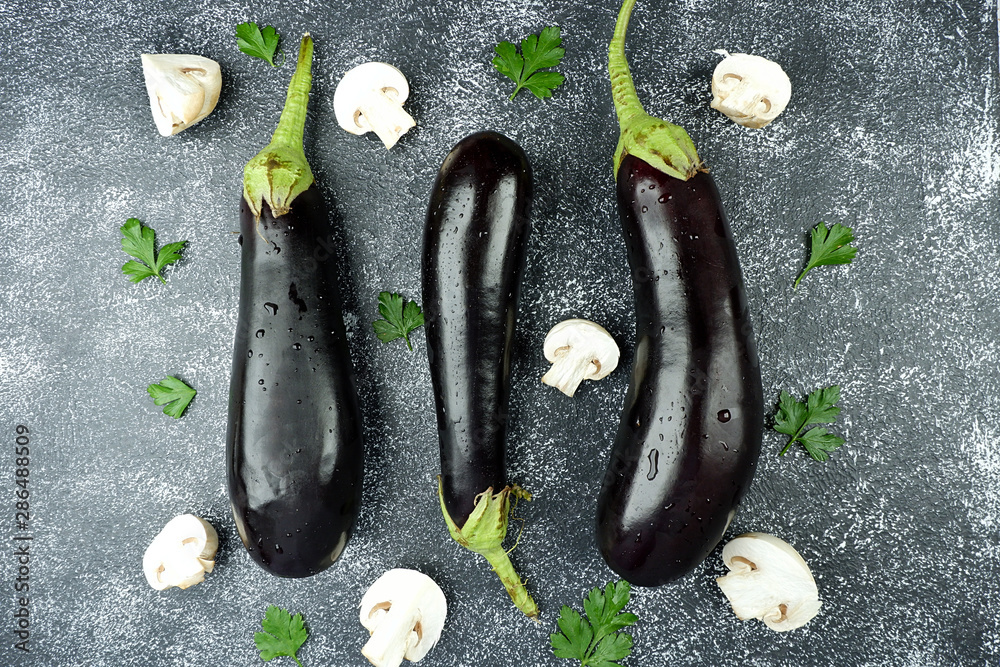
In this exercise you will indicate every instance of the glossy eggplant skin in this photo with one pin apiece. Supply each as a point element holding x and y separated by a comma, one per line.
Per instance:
<point>294,448</point>
<point>691,427</point>
<point>474,250</point>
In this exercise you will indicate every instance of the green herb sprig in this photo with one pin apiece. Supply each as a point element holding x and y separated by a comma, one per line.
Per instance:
<point>794,416</point>
<point>283,635</point>
<point>399,320</point>
<point>537,52</point>
<point>594,640</point>
<point>257,42</point>
<point>173,394</point>
<point>829,247</point>
<point>139,241</point>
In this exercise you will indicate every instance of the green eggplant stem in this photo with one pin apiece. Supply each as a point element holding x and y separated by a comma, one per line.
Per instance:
<point>280,173</point>
<point>661,144</point>
<point>484,532</point>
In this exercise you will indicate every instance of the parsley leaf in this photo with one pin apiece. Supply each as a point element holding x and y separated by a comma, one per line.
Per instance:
<point>537,52</point>
<point>283,635</point>
<point>595,640</point>
<point>258,43</point>
<point>820,408</point>
<point>399,321</point>
<point>172,394</point>
<point>829,247</point>
<point>139,241</point>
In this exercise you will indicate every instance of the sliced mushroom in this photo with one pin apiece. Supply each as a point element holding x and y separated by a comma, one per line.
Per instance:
<point>405,611</point>
<point>181,553</point>
<point>370,99</point>
<point>749,89</point>
<point>769,580</point>
<point>579,350</point>
<point>182,88</point>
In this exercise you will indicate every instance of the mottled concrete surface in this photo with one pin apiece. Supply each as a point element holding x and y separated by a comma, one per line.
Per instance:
<point>892,129</point>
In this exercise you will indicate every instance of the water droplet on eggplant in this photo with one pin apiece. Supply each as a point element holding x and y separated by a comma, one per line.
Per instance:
<point>724,416</point>
<point>654,460</point>
<point>260,333</point>
<point>271,308</point>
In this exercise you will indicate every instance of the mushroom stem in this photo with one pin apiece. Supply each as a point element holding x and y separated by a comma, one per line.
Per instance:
<point>743,99</point>
<point>385,116</point>
<point>392,637</point>
<point>569,370</point>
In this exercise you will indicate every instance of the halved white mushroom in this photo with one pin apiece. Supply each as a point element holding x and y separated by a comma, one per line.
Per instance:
<point>579,350</point>
<point>181,553</point>
<point>769,580</point>
<point>749,89</point>
<point>182,88</point>
<point>405,611</point>
<point>370,99</point>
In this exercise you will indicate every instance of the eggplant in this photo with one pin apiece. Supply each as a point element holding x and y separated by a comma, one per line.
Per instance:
<point>294,447</point>
<point>692,422</point>
<point>474,250</point>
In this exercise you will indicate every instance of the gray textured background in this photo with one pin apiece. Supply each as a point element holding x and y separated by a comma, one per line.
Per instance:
<point>892,130</point>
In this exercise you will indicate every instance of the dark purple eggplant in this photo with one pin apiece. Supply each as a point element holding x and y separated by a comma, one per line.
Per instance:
<point>691,427</point>
<point>294,448</point>
<point>474,249</point>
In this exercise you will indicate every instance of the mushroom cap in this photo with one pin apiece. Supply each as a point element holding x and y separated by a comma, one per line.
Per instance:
<point>181,553</point>
<point>769,580</point>
<point>759,88</point>
<point>372,77</point>
<point>404,586</point>
<point>583,335</point>
<point>183,89</point>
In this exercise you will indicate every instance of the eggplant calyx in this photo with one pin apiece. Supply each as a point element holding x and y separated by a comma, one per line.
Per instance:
<point>484,532</point>
<point>663,145</point>
<point>280,172</point>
